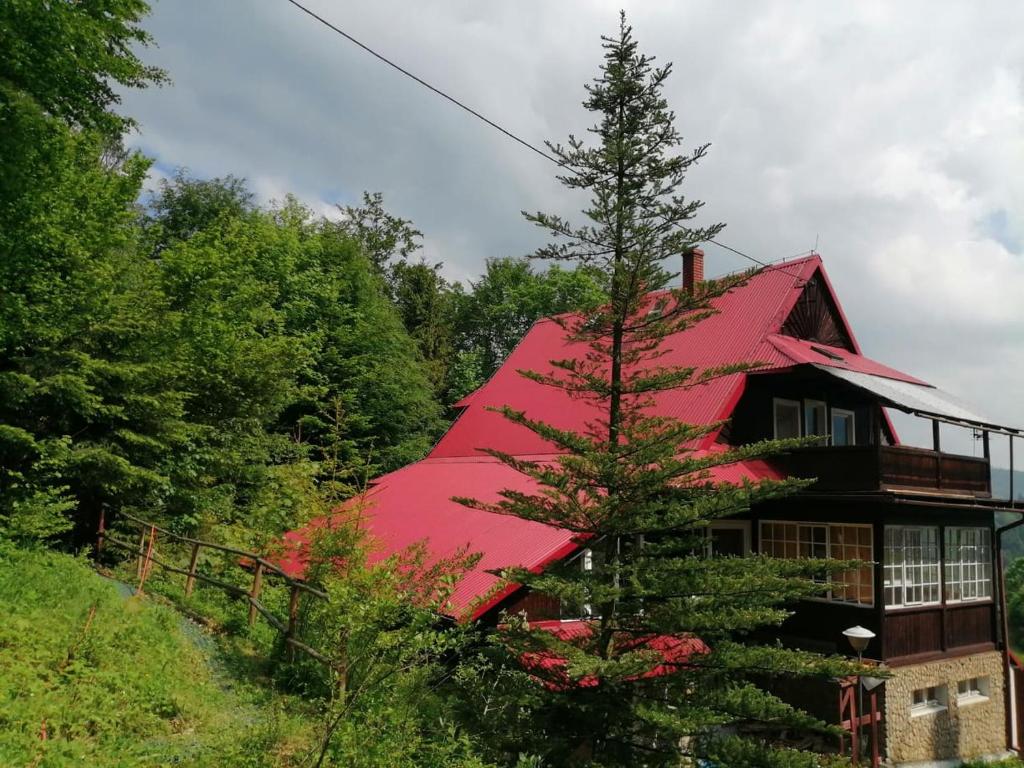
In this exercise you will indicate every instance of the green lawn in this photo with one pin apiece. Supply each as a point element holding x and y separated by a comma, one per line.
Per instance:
<point>135,686</point>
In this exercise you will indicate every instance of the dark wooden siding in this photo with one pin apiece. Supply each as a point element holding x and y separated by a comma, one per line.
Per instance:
<point>910,632</point>
<point>538,607</point>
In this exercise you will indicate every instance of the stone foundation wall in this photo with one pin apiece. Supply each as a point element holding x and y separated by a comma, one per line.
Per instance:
<point>962,729</point>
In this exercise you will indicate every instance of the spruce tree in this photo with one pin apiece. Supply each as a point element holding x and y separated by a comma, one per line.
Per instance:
<point>662,675</point>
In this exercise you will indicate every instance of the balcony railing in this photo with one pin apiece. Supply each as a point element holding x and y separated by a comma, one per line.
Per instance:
<point>887,467</point>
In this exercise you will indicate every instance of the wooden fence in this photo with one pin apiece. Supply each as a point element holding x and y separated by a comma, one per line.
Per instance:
<point>145,551</point>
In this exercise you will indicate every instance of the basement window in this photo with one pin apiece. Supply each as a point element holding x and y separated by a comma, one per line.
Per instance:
<point>972,691</point>
<point>925,701</point>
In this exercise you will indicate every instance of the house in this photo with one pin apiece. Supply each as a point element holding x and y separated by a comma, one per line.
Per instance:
<point>924,518</point>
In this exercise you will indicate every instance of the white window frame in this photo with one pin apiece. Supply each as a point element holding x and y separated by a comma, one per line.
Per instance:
<point>933,699</point>
<point>982,569</point>
<point>827,598</point>
<point>973,690</point>
<point>826,420</point>
<point>730,525</point>
<point>776,402</point>
<point>853,424</point>
<point>903,568</point>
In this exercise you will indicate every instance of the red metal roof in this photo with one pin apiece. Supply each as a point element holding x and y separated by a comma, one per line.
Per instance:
<point>414,504</point>
<point>552,669</point>
<point>738,332</point>
<point>799,351</point>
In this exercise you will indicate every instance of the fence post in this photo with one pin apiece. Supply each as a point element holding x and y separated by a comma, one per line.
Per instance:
<point>257,584</point>
<point>147,565</point>
<point>190,579</point>
<point>142,553</point>
<point>293,620</point>
<point>102,530</point>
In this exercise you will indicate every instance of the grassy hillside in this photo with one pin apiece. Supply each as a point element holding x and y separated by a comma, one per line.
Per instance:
<point>135,685</point>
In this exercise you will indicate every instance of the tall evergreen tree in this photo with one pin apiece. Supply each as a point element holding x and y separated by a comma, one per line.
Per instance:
<point>631,486</point>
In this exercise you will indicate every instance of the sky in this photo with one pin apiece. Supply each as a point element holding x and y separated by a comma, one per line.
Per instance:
<point>888,136</point>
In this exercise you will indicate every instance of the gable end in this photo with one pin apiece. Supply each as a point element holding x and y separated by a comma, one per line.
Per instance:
<point>815,317</point>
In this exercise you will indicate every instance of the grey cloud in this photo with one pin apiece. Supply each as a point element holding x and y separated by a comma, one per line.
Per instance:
<point>894,132</point>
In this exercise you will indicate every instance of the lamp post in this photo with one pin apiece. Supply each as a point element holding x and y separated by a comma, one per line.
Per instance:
<point>859,639</point>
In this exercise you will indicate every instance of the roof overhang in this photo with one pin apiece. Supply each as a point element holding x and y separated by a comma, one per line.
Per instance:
<point>919,400</point>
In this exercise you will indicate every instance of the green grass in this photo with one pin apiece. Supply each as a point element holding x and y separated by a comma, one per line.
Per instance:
<point>136,686</point>
<point>1011,762</point>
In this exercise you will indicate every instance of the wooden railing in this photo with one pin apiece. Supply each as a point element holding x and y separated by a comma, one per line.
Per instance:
<point>883,467</point>
<point>146,557</point>
<point>853,722</point>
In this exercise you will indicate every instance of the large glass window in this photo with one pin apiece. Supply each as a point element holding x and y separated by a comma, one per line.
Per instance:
<point>968,564</point>
<point>911,565</point>
<point>787,418</point>
<point>827,540</point>
<point>842,427</point>
<point>815,418</point>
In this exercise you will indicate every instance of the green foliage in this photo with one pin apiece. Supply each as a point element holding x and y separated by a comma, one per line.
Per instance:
<point>70,58</point>
<point>641,497</point>
<point>88,401</point>
<point>502,305</point>
<point>115,681</point>
<point>1015,602</point>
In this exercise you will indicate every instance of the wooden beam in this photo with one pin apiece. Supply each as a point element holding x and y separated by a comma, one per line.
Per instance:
<point>190,580</point>
<point>254,594</point>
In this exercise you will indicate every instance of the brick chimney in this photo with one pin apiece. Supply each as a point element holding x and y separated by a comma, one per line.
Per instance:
<point>693,269</point>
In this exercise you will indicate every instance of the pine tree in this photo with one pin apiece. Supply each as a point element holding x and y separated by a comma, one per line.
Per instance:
<point>662,674</point>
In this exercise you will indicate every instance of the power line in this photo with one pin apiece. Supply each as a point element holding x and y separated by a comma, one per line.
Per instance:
<point>519,140</point>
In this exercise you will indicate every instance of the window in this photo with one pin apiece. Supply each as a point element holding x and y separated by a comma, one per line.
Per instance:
<point>827,540</point>
<point>815,418</point>
<point>926,700</point>
<point>968,564</point>
<point>728,538</point>
<point>843,427</point>
<point>911,566</point>
<point>585,561</point>
<point>972,690</point>
<point>787,418</point>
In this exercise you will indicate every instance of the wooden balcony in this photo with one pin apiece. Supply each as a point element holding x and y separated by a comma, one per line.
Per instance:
<point>886,467</point>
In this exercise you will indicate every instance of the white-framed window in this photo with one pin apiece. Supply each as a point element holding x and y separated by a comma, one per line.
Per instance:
<point>786,417</point>
<point>924,701</point>
<point>968,564</point>
<point>910,566</point>
<point>843,427</point>
<point>972,690</point>
<point>837,541</point>
<point>815,418</point>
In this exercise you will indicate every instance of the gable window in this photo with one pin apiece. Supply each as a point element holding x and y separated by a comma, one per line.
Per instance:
<point>815,418</point>
<point>911,566</point>
<point>827,540</point>
<point>968,564</point>
<point>843,427</point>
<point>787,418</point>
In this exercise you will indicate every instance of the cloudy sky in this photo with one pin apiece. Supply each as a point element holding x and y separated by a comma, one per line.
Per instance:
<point>892,134</point>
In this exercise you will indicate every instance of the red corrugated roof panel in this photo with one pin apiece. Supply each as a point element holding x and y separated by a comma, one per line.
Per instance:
<point>414,504</point>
